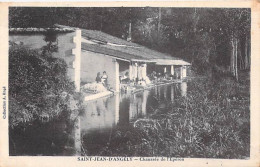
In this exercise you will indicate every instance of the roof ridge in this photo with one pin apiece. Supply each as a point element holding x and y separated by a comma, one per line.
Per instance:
<point>37,29</point>
<point>107,38</point>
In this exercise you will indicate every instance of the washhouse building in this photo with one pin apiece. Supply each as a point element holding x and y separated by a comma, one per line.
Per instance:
<point>89,52</point>
<point>62,42</point>
<point>117,57</point>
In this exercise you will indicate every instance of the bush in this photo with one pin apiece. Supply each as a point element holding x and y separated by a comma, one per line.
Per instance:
<point>212,121</point>
<point>38,86</point>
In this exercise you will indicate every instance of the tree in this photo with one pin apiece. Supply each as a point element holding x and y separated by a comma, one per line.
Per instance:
<point>216,38</point>
<point>238,27</point>
<point>38,85</point>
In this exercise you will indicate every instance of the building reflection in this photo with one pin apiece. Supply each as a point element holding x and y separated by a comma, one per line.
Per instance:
<point>183,88</point>
<point>144,103</point>
<point>172,93</point>
<point>165,92</point>
<point>138,104</point>
<point>106,112</point>
<point>102,115</point>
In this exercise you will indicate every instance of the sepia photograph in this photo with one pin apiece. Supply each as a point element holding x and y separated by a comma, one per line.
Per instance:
<point>129,82</point>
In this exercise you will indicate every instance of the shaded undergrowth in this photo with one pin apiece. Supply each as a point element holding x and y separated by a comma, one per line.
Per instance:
<point>39,87</point>
<point>212,121</point>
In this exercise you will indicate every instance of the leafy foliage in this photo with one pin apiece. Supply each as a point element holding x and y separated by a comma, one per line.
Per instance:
<point>38,85</point>
<point>201,36</point>
<point>213,121</point>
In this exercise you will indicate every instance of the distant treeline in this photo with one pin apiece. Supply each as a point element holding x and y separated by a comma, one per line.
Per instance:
<point>209,38</point>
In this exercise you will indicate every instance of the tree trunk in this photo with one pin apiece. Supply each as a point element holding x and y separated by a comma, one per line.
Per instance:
<point>240,56</point>
<point>233,58</point>
<point>232,67</point>
<point>246,55</point>
<point>242,62</point>
<point>159,21</point>
<point>249,55</point>
<point>195,20</point>
<point>236,54</point>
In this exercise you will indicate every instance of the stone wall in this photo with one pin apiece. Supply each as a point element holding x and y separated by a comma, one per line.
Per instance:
<point>92,63</point>
<point>64,41</point>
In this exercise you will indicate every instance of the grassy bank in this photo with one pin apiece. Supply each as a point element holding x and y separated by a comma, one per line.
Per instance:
<point>212,121</point>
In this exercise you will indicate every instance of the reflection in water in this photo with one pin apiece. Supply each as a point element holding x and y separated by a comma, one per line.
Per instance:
<point>172,93</point>
<point>135,105</point>
<point>93,128</point>
<point>183,88</point>
<point>138,103</point>
<point>165,92</point>
<point>124,109</point>
<point>97,121</point>
<point>159,93</point>
<point>144,103</point>
<point>101,115</point>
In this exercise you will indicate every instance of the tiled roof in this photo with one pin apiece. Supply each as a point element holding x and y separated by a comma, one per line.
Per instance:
<point>111,52</point>
<point>40,30</point>
<point>123,45</point>
<point>101,36</point>
<point>113,46</point>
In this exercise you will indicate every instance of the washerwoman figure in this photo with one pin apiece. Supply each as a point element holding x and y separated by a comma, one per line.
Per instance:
<point>98,78</point>
<point>104,78</point>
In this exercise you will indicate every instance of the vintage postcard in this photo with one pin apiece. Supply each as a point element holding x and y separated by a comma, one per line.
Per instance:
<point>130,84</point>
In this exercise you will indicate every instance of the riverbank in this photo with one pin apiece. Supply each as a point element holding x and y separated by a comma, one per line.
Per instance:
<point>127,88</point>
<point>212,121</point>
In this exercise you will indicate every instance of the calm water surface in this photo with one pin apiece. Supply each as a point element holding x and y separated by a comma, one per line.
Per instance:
<point>92,129</point>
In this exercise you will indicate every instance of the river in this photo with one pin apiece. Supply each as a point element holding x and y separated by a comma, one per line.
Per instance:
<point>91,131</point>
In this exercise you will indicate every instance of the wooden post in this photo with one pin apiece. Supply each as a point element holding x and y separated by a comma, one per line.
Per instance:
<point>184,72</point>
<point>139,72</point>
<point>130,71</point>
<point>181,72</point>
<point>134,69</point>
<point>172,70</point>
<point>144,71</point>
